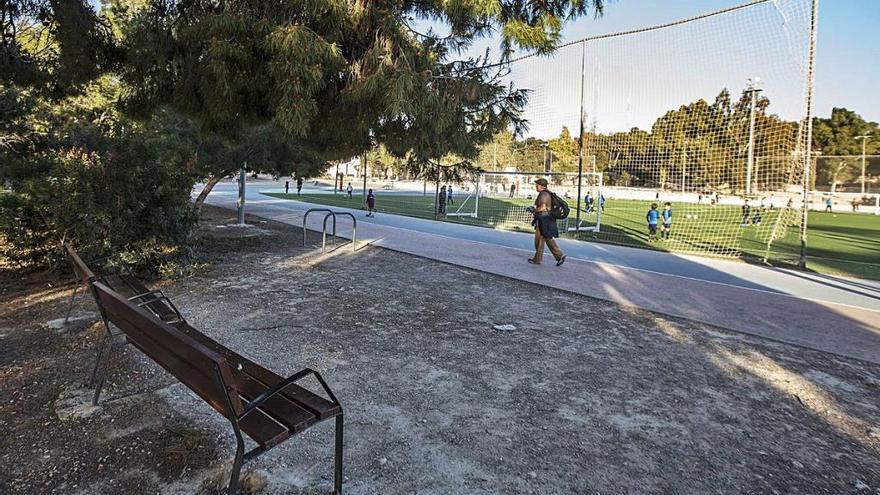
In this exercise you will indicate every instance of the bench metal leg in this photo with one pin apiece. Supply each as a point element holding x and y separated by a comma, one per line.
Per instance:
<point>106,338</point>
<point>337,478</point>
<point>70,306</point>
<point>236,465</point>
<point>101,371</point>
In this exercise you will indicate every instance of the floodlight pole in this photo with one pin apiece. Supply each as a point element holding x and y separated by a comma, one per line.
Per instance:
<point>544,165</point>
<point>577,224</point>
<point>864,138</point>
<point>753,90</point>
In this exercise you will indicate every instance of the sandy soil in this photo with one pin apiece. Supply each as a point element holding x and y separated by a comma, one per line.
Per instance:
<point>581,397</point>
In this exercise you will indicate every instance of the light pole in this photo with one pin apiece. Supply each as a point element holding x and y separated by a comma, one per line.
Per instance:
<point>544,145</point>
<point>864,138</point>
<point>753,87</point>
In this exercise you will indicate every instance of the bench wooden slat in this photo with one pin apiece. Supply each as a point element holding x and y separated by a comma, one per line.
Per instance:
<point>188,360</point>
<point>280,408</point>
<point>317,405</point>
<point>263,429</point>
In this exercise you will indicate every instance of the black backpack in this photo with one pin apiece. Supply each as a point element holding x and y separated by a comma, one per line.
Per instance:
<point>558,208</point>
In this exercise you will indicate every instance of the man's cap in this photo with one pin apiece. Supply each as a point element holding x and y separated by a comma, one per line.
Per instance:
<point>542,182</point>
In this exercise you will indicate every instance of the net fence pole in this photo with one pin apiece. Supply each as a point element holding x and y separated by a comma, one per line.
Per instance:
<point>477,197</point>
<point>808,120</point>
<point>577,224</point>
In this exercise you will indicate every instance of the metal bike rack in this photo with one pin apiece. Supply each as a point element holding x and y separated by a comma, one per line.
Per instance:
<point>306,216</point>
<point>354,224</point>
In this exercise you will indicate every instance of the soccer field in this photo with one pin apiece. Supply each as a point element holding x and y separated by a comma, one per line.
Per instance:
<point>838,243</point>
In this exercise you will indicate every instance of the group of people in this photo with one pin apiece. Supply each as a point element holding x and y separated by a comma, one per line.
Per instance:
<point>444,197</point>
<point>663,218</point>
<point>747,217</point>
<point>299,186</point>
<point>589,202</point>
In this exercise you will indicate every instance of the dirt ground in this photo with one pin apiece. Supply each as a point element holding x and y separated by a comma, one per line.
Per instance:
<point>582,396</point>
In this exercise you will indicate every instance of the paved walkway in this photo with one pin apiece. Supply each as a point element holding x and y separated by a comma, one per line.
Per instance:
<point>833,314</point>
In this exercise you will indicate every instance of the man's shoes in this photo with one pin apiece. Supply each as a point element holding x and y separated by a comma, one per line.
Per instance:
<point>532,261</point>
<point>560,261</point>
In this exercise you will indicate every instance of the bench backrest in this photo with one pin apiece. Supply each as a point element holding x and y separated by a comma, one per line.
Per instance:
<point>81,270</point>
<point>195,365</point>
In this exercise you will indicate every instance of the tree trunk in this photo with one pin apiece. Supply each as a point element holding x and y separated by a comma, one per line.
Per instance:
<point>200,199</point>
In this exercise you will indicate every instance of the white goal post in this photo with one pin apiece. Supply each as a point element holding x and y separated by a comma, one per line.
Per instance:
<point>470,205</point>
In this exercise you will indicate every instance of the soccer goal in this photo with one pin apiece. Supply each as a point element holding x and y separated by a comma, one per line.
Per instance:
<point>586,214</point>
<point>469,206</point>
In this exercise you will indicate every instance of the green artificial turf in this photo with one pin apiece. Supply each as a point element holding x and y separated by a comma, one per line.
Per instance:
<point>837,243</point>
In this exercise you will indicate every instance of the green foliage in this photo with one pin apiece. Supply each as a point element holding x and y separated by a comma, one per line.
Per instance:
<point>52,45</point>
<point>286,87</point>
<point>82,174</point>
<point>836,135</point>
<point>336,78</point>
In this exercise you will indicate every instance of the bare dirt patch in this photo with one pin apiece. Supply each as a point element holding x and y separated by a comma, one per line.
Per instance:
<point>582,396</point>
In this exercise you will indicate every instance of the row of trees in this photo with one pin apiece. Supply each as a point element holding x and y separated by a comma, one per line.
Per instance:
<point>699,146</point>
<point>109,117</point>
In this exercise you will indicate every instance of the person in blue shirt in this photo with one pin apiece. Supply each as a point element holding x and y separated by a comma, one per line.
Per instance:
<point>653,216</point>
<point>588,201</point>
<point>449,194</point>
<point>666,215</point>
<point>828,205</point>
<point>602,202</point>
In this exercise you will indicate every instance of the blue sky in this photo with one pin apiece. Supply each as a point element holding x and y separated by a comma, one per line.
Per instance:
<point>848,45</point>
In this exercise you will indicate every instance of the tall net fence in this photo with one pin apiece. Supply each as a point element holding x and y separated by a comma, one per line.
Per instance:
<point>706,114</point>
<point>710,115</point>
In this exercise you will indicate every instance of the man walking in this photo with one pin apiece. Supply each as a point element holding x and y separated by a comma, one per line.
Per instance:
<point>449,194</point>
<point>299,185</point>
<point>545,225</point>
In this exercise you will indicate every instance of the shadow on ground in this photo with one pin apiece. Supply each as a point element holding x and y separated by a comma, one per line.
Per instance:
<point>584,396</point>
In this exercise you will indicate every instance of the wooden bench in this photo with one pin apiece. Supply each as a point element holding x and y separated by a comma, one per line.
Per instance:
<point>128,286</point>
<point>257,402</point>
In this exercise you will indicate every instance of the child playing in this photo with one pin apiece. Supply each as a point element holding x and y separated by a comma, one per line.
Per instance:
<point>371,203</point>
<point>667,220</point>
<point>652,217</point>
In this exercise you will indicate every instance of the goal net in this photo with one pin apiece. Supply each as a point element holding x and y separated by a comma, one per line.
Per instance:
<point>500,199</point>
<point>710,115</point>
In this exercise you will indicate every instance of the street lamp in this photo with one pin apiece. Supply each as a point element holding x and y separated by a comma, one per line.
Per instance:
<point>753,87</point>
<point>864,138</point>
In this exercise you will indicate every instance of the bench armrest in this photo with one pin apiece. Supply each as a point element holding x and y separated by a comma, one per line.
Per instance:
<point>258,400</point>
<point>152,296</point>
